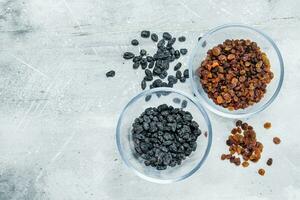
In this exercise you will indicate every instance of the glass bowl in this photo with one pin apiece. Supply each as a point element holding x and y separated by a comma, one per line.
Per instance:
<point>236,31</point>
<point>125,143</point>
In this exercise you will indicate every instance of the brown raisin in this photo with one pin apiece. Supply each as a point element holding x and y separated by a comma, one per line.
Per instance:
<point>261,172</point>
<point>276,140</point>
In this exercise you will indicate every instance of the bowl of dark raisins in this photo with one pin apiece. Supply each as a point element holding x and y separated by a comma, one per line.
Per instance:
<point>163,135</point>
<point>236,71</point>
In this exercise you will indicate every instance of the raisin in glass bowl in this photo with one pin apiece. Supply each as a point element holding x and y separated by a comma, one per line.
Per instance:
<point>125,142</point>
<point>236,31</point>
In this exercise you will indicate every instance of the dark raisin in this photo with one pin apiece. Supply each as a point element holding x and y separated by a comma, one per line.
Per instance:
<point>170,43</point>
<point>178,74</point>
<point>161,43</point>
<point>163,75</point>
<point>184,104</point>
<point>149,58</point>
<point>157,71</point>
<point>143,63</point>
<point>137,58</point>
<point>167,36</point>
<point>111,73</point>
<point>239,123</point>
<point>183,51</point>
<point>177,54</point>
<point>134,42</point>
<point>186,73</point>
<point>154,37</point>
<point>143,84</point>
<point>148,78</point>
<point>151,64</point>
<point>177,66</point>
<point>182,79</point>
<point>270,162</point>
<point>143,52</point>
<point>148,72</point>
<point>135,65</point>
<point>172,79</point>
<point>176,100</point>
<point>148,97</point>
<point>145,34</point>
<point>181,39</point>
<point>128,55</point>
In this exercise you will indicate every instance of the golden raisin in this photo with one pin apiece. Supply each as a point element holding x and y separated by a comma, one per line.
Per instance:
<point>234,81</point>
<point>239,68</point>
<point>230,56</point>
<point>216,51</point>
<point>220,99</point>
<point>267,125</point>
<point>245,164</point>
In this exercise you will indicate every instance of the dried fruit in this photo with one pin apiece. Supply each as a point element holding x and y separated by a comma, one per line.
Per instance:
<point>183,51</point>
<point>143,52</point>
<point>145,34</point>
<point>186,73</point>
<point>269,161</point>
<point>158,139</point>
<point>216,51</point>
<point>134,42</point>
<point>177,66</point>
<point>178,74</point>
<point>223,157</point>
<point>181,39</point>
<point>237,70</point>
<point>276,140</point>
<point>261,172</point>
<point>239,123</point>
<point>154,37</point>
<point>128,55</point>
<point>267,125</point>
<point>243,143</point>
<point>245,164</point>
<point>143,84</point>
<point>111,73</point>
<point>167,36</point>
<point>184,104</point>
<point>158,64</point>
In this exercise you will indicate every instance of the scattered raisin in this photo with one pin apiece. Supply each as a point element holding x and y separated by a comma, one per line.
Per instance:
<point>134,42</point>
<point>239,123</point>
<point>269,161</point>
<point>111,73</point>
<point>181,39</point>
<point>223,157</point>
<point>267,125</point>
<point>145,34</point>
<point>261,172</point>
<point>276,140</point>
<point>245,164</point>
<point>243,143</point>
<point>154,37</point>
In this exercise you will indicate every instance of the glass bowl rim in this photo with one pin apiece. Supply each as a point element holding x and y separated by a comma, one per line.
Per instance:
<point>212,108</point>
<point>203,113</point>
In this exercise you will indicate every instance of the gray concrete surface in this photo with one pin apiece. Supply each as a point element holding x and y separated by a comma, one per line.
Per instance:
<point>58,111</point>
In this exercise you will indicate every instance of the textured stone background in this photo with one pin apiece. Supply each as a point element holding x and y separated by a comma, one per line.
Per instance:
<point>58,111</point>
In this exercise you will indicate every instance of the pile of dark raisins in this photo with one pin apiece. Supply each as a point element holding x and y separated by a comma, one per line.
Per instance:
<point>158,64</point>
<point>164,136</point>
